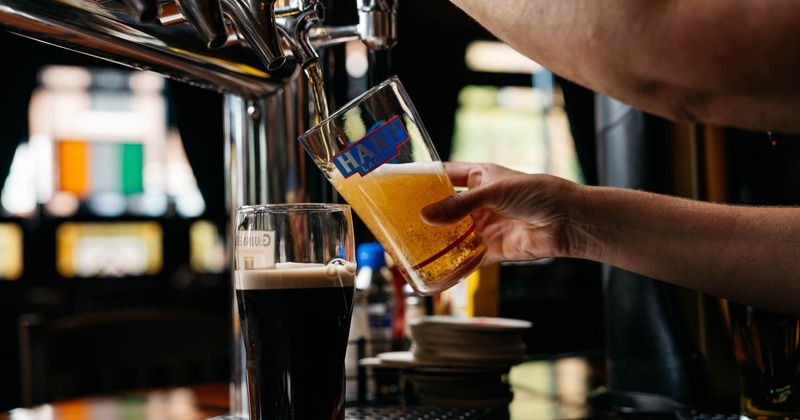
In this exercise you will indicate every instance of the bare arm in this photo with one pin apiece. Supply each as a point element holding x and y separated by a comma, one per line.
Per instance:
<point>746,254</point>
<point>726,62</point>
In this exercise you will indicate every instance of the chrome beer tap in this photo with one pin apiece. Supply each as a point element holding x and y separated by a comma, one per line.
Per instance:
<point>297,29</point>
<point>255,21</point>
<point>377,27</point>
<point>232,46</point>
<point>191,41</point>
<point>377,23</point>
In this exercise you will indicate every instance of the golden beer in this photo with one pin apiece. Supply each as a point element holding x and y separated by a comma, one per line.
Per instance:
<point>389,199</point>
<point>379,157</point>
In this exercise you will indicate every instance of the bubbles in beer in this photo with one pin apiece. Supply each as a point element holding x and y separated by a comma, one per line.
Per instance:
<point>389,200</point>
<point>297,276</point>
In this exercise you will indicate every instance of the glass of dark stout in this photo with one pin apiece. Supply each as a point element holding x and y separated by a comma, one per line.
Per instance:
<point>294,279</point>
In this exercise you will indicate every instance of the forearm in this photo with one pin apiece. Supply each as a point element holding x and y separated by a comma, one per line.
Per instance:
<point>669,57</point>
<point>746,254</point>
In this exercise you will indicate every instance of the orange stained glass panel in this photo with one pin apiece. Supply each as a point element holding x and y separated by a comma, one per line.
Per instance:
<point>73,167</point>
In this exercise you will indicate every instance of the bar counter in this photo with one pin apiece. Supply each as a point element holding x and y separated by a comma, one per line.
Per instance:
<point>544,388</point>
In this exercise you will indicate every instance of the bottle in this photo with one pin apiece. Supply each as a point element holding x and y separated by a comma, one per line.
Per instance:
<point>359,345</point>
<point>399,321</point>
<point>416,308</point>
<point>375,277</point>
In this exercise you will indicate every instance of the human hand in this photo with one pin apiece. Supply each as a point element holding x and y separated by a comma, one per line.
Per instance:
<point>520,216</point>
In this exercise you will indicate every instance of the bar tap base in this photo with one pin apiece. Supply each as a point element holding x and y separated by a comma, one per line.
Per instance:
<point>395,412</point>
<point>421,412</point>
<point>639,405</point>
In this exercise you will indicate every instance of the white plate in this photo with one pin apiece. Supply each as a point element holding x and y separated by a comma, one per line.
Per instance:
<point>472,323</point>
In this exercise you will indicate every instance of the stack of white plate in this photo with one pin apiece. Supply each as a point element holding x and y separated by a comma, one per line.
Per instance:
<point>475,342</point>
<point>461,362</point>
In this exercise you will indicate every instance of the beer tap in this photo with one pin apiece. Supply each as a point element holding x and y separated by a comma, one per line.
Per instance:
<point>298,29</point>
<point>377,28</point>
<point>377,23</point>
<point>256,23</point>
<point>144,10</point>
<point>153,35</point>
<point>206,18</point>
<point>194,41</point>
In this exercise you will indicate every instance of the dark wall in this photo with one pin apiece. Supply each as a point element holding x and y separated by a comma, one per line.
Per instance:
<point>429,59</point>
<point>763,169</point>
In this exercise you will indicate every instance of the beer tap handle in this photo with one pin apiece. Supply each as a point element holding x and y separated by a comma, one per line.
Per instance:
<point>206,17</point>
<point>145,10</point>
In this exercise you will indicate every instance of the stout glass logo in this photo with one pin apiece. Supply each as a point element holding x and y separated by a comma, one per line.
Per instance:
<point>255,238</point>
<point>372,151</point>
<point>255,249</point>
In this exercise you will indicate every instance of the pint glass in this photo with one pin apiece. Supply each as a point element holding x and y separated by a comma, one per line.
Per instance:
<point>767,348</point>
<point>294,279</point>
<point>376,153</point>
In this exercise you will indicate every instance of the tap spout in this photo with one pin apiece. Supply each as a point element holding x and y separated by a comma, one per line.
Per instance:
<point>206,17</point>
<point>256,23</point>
<point>297,29</point>
<point>377,23</point>
<point>145,10</point>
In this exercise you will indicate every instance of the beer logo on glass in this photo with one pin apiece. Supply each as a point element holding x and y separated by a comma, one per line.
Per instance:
<point>372,151</point>
<point>255,249</point>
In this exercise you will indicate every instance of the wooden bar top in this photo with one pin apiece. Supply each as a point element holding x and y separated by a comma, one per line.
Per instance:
<point>196,402</point>
<point>545,389</point>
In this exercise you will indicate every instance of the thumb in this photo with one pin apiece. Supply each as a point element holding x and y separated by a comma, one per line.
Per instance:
<point>450,210</point>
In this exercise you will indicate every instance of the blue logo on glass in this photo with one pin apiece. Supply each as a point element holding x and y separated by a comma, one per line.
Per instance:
<point>372,151</point>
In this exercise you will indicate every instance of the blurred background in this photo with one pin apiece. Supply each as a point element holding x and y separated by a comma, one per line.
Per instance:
<point>112,190</point>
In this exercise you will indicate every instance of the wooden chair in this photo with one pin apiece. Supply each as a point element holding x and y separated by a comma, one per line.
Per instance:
<point>110,351</point>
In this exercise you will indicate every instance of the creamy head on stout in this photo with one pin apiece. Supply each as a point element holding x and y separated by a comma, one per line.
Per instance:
<point>297,276</point>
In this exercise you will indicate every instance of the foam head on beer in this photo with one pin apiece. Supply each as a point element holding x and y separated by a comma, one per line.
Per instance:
<point>297,276</point>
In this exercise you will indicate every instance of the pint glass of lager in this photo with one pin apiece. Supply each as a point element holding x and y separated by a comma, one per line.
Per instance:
<point>376,153</point>
<point>294,279</point>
